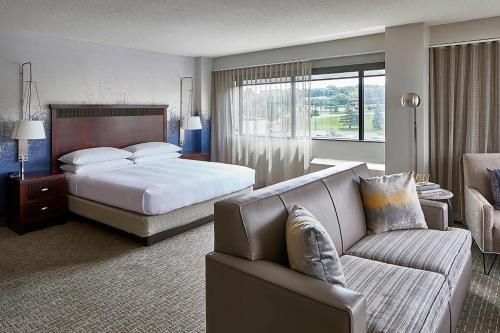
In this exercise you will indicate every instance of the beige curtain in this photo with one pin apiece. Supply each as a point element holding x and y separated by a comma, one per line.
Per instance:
<point>464,110</point>
<point>260,119</point>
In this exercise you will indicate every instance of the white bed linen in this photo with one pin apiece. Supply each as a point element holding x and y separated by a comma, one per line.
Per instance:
<point>160,187</point>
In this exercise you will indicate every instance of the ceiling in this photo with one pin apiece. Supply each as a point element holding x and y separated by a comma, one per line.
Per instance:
<point>222,27</point>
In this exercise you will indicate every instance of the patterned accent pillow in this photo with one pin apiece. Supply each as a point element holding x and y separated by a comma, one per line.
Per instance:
<point>310,249</point>
<point>495,186</point>
<point>391,203</point>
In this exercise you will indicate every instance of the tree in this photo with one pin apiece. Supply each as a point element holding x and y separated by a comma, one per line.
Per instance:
<point>350,118</point>
<point>378,121</point>
<point>314,114</point>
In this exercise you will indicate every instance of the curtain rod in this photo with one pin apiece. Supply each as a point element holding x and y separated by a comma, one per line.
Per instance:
<point>466,42</point>
<point>268,64</point>
<point>301,60</point>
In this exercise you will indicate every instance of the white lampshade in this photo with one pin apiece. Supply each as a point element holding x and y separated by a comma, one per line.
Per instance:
<point>28,130</point>
<point>193,123</point>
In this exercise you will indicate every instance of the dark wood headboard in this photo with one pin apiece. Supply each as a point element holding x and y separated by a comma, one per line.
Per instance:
<point>87,126</point>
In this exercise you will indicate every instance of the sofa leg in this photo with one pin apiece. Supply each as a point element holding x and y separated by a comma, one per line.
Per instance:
<point>491,266</point>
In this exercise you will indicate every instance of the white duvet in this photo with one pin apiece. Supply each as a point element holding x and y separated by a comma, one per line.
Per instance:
<point>161,187</point>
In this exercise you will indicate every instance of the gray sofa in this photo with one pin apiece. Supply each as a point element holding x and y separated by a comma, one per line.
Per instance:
<point>399,281</point>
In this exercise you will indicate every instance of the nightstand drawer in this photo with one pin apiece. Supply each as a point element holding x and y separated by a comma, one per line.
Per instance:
<point>44,209</point>
<point>45,189</point>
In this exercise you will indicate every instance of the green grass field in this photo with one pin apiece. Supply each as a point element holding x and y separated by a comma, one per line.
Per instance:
<point>326,123</point>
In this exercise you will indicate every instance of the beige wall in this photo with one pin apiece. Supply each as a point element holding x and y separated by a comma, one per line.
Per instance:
<point>473,30</point>
<point>332,49</point>
<point>371,152</point>
<point>407,70</point>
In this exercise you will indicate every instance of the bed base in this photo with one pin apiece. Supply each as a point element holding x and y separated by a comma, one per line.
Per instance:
<point>150,240</point>
<point>147,229</point>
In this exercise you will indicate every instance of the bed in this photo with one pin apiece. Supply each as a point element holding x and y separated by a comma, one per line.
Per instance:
<point>147,202</point>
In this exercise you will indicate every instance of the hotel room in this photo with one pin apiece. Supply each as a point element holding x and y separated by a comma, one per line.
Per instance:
<point>249,166</point>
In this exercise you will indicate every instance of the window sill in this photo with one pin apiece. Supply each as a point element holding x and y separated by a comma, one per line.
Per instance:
<point>347,140</point>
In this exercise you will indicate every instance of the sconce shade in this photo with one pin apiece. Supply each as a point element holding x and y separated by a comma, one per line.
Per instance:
<point>410,100</point>
<point>193,123</point>
<point>28,130</point>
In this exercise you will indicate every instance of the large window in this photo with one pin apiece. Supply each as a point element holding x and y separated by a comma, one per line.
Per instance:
<point>349,104</point>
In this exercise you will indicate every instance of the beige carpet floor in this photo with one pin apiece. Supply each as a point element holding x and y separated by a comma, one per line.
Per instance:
<point>77,277</point>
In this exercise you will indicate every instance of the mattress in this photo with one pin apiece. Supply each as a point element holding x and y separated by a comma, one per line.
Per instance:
<point>160,187</point>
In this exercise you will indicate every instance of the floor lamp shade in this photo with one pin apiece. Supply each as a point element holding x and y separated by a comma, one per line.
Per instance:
<point>28,130</point>
<point>410,100</point>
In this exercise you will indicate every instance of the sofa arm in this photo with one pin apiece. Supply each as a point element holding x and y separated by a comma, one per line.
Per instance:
<point>479,218</point>
<point>262,296</point>
<point>436,214</point>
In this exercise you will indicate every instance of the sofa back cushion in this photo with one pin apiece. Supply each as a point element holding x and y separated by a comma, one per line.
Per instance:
<point>344,190</point>
<point>315,198</point>
<point>252,226</point>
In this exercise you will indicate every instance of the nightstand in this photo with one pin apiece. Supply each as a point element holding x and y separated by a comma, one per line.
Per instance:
<point>37,200</point>
<point>195,156</point>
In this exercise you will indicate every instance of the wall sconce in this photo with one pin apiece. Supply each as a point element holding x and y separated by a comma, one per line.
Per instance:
<point>26,128</point>
<point>188,121</point>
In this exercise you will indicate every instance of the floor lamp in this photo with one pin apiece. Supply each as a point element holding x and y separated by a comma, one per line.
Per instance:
<point>410,101</point>
<point>26,128</point>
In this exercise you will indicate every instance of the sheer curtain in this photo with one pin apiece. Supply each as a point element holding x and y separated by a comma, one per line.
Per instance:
<point>260,119</point>
<point>464,110</point>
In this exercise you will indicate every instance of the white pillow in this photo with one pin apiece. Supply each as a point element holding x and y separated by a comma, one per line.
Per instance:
<point>152,148</point>
<point>155,158</point>
<point>97,166</point>
<point>92,155</point>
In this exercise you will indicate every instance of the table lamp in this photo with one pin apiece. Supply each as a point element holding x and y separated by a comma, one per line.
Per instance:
<point>25,130</point>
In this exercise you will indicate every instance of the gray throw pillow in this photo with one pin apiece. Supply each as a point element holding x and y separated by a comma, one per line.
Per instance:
<point>310,249</point>
<point>391,203</point>
<point>495,186</point>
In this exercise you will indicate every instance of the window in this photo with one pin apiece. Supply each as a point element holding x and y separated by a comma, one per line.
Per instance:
<point>274,107</point>
<point>266,108</point>
<point>348,104</point>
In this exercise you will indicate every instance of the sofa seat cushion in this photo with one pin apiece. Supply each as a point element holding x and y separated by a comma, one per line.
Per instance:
<point>443,252</point>
<point>398,299</point>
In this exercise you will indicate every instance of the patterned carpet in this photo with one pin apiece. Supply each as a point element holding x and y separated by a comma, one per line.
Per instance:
<point>79,278</point>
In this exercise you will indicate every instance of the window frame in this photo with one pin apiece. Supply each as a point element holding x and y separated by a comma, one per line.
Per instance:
<point>360,69</point>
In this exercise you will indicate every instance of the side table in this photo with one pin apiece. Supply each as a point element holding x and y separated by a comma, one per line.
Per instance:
<point>441,195</point>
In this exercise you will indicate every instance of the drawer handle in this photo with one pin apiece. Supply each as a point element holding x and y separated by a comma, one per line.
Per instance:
<point>44,208</point>
<point>45,189</point>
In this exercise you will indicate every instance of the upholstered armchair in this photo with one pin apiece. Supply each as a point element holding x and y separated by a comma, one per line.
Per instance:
<point>481,218</point>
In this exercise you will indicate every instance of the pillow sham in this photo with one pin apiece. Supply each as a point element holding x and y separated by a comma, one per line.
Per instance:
<point>92,155</point>
<point>391,203</point>
<point>495,186</point>
<point>310,249</point>
<point>155,158</point>
<point>95,167</point>
<point>152,148</point>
